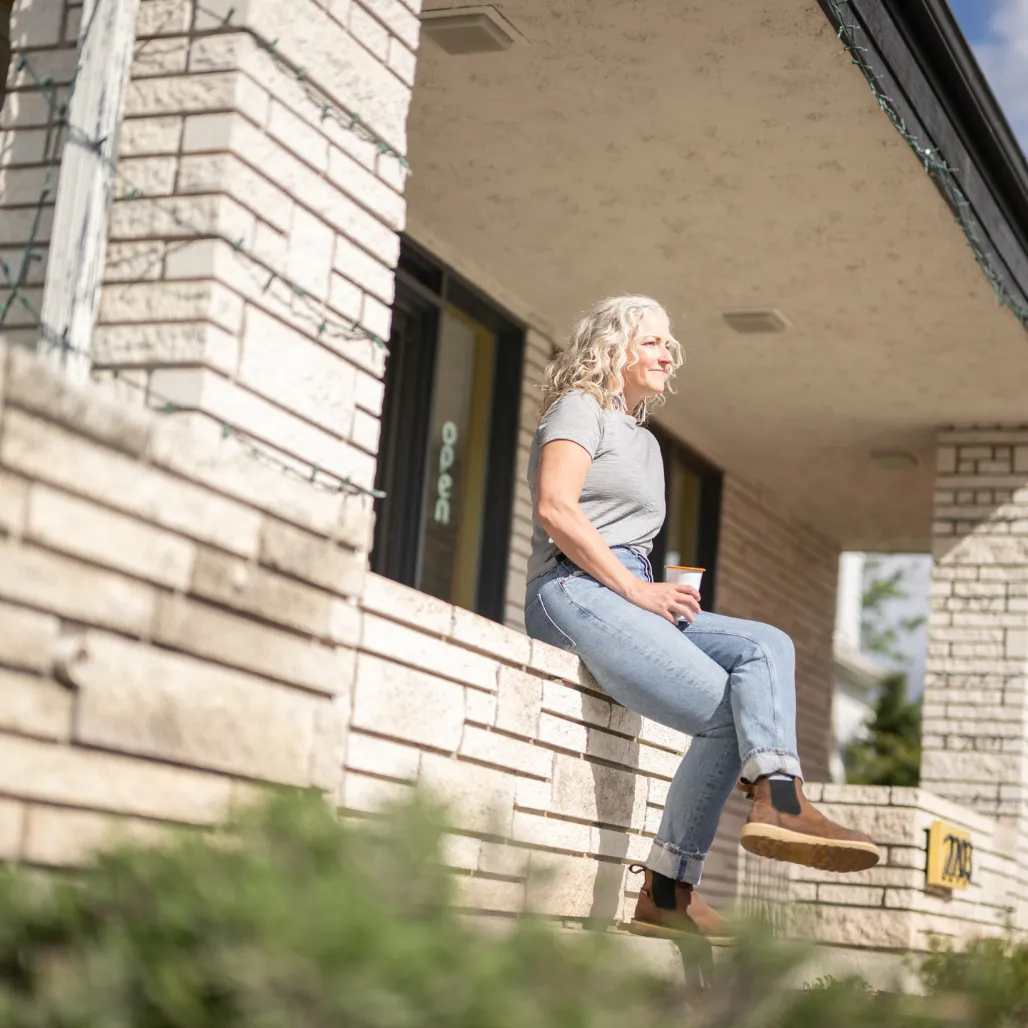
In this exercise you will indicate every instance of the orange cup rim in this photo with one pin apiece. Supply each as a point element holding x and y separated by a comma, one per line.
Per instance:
<point>681,567</point>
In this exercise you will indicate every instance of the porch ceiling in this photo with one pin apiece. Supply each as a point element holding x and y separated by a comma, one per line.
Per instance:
<point>720,154</point>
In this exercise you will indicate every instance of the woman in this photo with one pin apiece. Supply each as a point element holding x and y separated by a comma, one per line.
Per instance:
<point>597,485</point>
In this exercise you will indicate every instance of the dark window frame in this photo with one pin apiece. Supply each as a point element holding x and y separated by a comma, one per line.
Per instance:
<point>424,285</point>
<point>711,483</point>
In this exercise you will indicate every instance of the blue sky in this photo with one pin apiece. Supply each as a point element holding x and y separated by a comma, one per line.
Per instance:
<point>998,32</point>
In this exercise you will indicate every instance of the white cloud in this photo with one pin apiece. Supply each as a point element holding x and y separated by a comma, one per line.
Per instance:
<point>1003,56</point>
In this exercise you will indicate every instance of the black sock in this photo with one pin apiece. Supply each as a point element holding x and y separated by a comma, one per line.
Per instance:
<point>663,891</point>
<point>783,796</point>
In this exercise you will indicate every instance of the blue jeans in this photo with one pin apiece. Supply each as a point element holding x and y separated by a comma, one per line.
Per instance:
<point>728,683</point>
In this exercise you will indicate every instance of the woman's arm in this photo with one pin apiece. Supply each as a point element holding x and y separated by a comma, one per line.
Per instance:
<point>563,466</point>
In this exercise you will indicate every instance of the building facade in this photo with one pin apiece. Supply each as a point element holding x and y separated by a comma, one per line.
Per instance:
<point>281,533</point>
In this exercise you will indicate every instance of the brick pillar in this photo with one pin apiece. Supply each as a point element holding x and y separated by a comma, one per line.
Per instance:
<point>975,700</point>
<point>255,229</point>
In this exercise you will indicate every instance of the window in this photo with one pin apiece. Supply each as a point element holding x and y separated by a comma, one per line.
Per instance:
<point>449,439</point>
<point>693,494</point>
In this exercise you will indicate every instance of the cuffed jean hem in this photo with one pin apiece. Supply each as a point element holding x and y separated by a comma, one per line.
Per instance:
<point>770,762</point>
<point>670,861</point>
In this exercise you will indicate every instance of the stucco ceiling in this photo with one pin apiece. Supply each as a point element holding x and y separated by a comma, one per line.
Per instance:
<point>720,154</point>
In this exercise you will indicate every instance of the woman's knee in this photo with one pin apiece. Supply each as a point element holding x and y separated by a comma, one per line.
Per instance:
<point>775,642</point>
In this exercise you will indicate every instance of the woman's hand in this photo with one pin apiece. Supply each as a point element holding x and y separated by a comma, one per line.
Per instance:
<point>667,599</point>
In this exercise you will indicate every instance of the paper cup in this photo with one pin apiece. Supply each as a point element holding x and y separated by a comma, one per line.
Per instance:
<point>684,576</point>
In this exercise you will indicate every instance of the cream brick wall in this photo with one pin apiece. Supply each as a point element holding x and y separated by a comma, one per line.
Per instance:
<point>888,906</point>
<point>179,623</point>
<point>253,231</point>
<point>975,714</point>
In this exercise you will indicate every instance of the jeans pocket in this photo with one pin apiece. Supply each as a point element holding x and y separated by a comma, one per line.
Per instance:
<point>541,626</point>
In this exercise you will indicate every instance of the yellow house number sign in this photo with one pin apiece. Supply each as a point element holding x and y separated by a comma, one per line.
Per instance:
<point>949,856</point>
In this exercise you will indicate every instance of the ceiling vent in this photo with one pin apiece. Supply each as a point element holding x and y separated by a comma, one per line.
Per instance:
<point>765,319</point>
<point>469,30</point>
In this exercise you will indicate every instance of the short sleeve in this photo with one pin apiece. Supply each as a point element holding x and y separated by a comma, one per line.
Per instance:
<point>574,416</point>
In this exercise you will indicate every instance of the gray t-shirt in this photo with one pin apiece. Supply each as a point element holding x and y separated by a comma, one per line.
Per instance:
<point>623,495</point>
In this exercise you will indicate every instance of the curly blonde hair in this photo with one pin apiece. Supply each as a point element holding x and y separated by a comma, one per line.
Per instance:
<point>598,350</point>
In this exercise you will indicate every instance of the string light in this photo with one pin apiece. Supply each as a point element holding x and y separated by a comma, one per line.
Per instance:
<point>943,174</point>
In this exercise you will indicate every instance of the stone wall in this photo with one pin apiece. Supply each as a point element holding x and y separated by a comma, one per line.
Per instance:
<point>179,623</point>
<point>888,907</point>
<point>976,687</point>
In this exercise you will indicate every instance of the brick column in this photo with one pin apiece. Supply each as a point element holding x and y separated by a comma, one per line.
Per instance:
<point>975,700</point>
<point>256,230</point>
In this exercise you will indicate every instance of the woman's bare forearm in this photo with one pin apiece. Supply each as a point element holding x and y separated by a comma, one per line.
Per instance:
<point>577,538</point>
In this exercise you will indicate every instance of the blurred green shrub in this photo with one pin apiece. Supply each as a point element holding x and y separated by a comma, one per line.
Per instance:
<point>290,919</point>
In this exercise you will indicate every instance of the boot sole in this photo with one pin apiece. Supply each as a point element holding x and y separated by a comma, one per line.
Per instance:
<point>809,850</point>
<point>658,931</point>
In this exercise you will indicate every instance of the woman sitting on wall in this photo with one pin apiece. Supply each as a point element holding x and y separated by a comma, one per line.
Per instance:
<point>597,483</point>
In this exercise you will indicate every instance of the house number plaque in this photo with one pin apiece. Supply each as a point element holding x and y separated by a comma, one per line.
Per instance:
<point>950,856</point>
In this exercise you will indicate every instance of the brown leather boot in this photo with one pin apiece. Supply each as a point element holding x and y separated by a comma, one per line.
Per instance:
<point>787,827</point>
<point>690,916</point>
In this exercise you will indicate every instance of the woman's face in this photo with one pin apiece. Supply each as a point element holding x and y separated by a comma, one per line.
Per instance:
<point>649,359</point>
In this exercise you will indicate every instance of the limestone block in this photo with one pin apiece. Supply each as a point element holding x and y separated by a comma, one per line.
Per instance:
<point>365,270</point>
<point>569,886</point>
<point>35,706</point>
<point>563,734</point>
<point>363,793</point>
<point>402,61</point>
<point>356,181</point>
<point>316,192</point>
<point>489,895</point>
<point>172,301</point>
<point>84,529</point>
<point>66,460</point>
<point>369,393</point>
<point>35,25</point>
<point>390,639</point>
<point>140,700</point>
<point>297,135</point>
<point>335,60</point>
<point>657,793</point>
<point>376,317</point>
<point>661,735</point>
<point>311,558</point>
<point>499,858</point>
<point>376,756</point>
<point>852,895</point>
<point>575,704</point>
<point>969,767</point>
<point>613,748</point>
<point>479,707</point>
<point>176,94</point>
<point>506,752</point>
<point>56,837</point>
<point>461,851</point>
<point>394,700</point>
<point>231,471</point>
<point>369,31</point>
<point>366,431</point>
<point>871,795</point>
<point>608,842</point>
<point>558,663</point>
<point>225,173</point>
<point>480,633</point>
<point>27,638</point>
<point>552,832</point>
<point>178,217</point>
<point>140,136</point>
<point>207,631</point>
<point>345,623</point>
<point>34,386</point>
<point>328,749</point>
<point>401,603</point>
<point>658,762</point>
<point>519,697</point>
<point>74,590</point>
<point>594,792</point>
<point>886,825</point>
<point>72,776</point>
<point>533,794</point>
<point>850,926</point>
<point>480,799</point>
<point>12,817</point>
<point>235,583</point>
